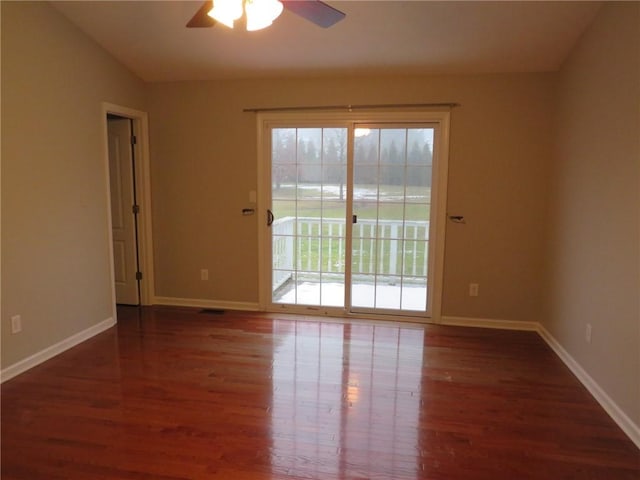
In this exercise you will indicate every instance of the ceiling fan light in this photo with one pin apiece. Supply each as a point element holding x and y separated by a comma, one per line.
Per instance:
<point>261,13</point>
<point>226,11</point>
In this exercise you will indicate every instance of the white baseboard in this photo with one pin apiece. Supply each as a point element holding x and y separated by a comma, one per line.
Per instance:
<point>615,412</point>
<point>490,323</point>
<point>201,303</point>
<point>50,352</point>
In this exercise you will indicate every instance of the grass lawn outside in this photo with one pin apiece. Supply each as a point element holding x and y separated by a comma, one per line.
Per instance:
<point>390,238</point>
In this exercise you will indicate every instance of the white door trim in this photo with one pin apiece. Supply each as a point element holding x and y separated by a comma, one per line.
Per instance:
<point>143,192</point>
<point>266,120</point>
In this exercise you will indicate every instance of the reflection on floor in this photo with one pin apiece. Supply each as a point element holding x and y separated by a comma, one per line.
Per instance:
<point>353,393</point>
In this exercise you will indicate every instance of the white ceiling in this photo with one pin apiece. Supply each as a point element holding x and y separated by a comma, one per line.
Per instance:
<point>382,37</point>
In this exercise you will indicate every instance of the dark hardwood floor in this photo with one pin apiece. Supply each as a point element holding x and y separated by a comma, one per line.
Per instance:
<point>177,394</point>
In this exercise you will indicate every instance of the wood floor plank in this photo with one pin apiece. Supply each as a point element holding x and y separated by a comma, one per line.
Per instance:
<point>174,394</point>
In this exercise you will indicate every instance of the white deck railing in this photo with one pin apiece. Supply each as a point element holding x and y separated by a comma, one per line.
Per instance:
<point>308,244</point>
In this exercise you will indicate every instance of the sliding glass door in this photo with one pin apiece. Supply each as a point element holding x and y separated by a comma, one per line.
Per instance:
<point>349,216</point>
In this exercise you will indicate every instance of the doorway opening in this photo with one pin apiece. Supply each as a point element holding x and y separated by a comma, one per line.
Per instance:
<point>124,209</point>
<point>126,139</point>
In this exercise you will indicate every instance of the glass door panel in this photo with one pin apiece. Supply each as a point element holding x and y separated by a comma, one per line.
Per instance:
<point>308,234</point>
<point>391,199</point>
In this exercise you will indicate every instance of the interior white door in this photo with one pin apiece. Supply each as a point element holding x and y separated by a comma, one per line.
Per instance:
<point>122,214</point>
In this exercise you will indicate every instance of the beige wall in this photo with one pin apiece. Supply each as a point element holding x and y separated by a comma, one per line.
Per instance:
<point>595,216</point>
<point>204,149</point>
<point>55,267</point>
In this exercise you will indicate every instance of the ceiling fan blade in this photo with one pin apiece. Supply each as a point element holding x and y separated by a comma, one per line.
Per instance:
<point>201,19</point>
<point>315,11</point>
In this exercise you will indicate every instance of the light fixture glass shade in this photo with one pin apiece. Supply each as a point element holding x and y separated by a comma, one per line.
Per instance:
<point>226,11</point>
<point>261,13</point>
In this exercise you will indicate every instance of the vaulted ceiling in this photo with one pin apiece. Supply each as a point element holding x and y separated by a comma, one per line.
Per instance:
<point>376,37</point>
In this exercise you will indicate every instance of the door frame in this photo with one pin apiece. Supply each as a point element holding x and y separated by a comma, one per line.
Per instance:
<point>266,120</point>
<point>140,124</point>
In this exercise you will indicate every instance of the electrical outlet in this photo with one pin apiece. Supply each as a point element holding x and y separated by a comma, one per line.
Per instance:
<point>473,289</point>
<point>16,324</point>
<point>204,274</point>
<point>587,333</point>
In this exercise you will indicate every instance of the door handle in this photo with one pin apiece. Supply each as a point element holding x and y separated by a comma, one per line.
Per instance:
<point>270,217</point>
<point>354,218</point>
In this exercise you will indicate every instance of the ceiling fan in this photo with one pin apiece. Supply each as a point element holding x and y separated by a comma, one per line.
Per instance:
<point>315,11</point>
